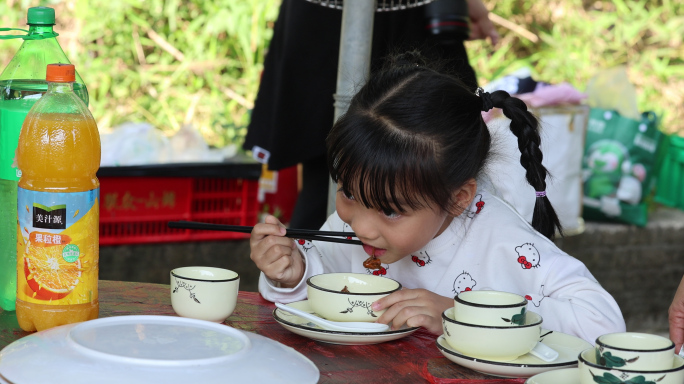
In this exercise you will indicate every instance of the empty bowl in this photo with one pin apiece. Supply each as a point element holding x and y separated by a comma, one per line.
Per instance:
<point>590,372</point>
<point>348,296</point>
<point>493,308</point>
<point>499,343</point>
<point>634,351</point>
<point>204,293</point>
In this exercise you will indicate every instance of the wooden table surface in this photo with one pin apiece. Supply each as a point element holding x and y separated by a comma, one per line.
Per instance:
<point>412,359</point>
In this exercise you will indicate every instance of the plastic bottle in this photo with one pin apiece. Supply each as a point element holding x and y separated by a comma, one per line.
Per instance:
<point>22,83</point>
<point>58,208</point>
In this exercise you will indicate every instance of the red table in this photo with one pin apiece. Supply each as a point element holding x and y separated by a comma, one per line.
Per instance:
<point>413,359</point>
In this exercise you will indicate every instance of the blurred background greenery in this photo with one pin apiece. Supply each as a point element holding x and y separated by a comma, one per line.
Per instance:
<point>169,62</point>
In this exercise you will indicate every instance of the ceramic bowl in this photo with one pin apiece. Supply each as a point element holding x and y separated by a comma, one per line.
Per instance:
<point>635,351</point>
<point>497,343</point>
<point>591,373</point>
<point>492,308</point>
<point>327,299</point>
<point>204,293</point>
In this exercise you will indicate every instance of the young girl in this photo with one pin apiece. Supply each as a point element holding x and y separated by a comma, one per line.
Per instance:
<point>406,158</point>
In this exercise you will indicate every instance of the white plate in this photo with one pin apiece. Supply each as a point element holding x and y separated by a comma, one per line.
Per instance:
<point>558,376</point>
<point>568,347</point>
<point>303,327</point>
<point>152,349</point>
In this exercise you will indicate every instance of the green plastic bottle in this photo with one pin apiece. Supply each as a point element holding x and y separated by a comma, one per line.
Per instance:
<point>22,83</point>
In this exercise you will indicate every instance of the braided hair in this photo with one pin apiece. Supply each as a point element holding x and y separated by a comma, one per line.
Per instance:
<point>413,135</point>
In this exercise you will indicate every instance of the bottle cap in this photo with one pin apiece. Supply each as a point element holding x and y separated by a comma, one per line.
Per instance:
<point>40,16</point>
<point>61,73</point>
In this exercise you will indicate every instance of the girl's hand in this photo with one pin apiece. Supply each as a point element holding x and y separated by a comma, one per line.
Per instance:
<point>480,25</point>
<point>415,308</point>
<point>274,254</point>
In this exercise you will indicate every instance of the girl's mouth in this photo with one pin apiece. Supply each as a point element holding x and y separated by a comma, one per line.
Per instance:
<point>371,250</point>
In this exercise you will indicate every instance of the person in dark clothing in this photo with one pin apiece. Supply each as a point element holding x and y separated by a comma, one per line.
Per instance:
<point>294,111</point>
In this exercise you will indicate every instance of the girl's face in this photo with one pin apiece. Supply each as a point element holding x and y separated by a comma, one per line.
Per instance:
<point>391,236</point>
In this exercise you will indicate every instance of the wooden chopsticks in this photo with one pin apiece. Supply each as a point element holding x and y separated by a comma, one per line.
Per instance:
<point>305,234</point>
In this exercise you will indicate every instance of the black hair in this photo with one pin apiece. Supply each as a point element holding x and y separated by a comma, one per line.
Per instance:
<point>413,135</point>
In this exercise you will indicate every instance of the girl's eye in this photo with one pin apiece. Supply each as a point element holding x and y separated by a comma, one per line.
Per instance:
<point>346,194</point>
<point>390,214</point>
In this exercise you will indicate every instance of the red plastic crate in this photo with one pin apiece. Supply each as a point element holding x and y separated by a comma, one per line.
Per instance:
<point>136,210</point>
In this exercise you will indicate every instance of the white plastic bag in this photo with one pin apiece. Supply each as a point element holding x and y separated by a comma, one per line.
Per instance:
<point>134,144</point>
<point>188,146</point>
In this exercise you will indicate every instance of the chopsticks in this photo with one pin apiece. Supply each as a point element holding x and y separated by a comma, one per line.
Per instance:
<point>305,234</point>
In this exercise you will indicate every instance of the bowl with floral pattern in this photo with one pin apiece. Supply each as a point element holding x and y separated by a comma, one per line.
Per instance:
<point>488,342</point>
<point>591,372</point>
<point>348,296</point>
<point>634,351</point>
<point>495,308</point>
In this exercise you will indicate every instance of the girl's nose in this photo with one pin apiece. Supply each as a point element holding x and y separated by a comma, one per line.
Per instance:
<point>362,223</point>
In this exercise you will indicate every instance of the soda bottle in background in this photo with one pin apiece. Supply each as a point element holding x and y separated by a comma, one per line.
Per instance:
<point>22,83</point>
<point>58,209</point>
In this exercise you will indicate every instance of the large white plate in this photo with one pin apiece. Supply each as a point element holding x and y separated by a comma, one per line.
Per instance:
<point>152,349</point>
<point>558,376</point>
<point>303,327</point>
<point>568,347</point>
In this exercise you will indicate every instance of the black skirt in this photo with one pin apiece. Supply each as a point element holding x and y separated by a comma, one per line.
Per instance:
<point>294,111</point>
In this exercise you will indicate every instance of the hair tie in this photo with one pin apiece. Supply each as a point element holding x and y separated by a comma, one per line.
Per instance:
<point>540,193</point>
<point>486,97</point>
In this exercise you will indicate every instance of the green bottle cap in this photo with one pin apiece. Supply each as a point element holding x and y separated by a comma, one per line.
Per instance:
<point>40,16</point>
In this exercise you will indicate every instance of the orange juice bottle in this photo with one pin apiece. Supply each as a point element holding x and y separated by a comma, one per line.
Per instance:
<point>58,208</point>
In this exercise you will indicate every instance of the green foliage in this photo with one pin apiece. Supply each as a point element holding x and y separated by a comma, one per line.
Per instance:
<point>579,37</point>
<point>170,61</point>
<point>166,62</point>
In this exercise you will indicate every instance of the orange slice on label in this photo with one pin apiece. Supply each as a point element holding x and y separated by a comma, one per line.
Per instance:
<point>48,274</point>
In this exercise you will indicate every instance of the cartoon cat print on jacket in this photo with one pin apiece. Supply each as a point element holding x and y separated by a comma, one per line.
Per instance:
<point>536,299</point>
<point>528,256</point>
<point>421,259</point>
<point>479,206</point>
<point>464,282</point>
<point>305,244</point>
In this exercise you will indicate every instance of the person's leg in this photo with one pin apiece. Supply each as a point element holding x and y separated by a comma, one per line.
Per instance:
<point>310,211</point>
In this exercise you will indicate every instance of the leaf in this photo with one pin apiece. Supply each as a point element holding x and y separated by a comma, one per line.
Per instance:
<point>611,361</point>
<point>612,378</point>
<point>520,318</point>
<point>636,380</point>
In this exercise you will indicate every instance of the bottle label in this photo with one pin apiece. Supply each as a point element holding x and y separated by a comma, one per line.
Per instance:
<point>57,246</point>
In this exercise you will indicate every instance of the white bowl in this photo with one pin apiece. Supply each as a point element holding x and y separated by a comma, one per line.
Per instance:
<point>495,343</point>
<point>493,308</point>
<point>327,299</point>
<point>635,351</point>
<point>204,293</point>
<point>590,371</point>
